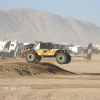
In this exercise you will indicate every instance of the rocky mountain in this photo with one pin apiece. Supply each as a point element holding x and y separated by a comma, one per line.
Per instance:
<point>29,25</point>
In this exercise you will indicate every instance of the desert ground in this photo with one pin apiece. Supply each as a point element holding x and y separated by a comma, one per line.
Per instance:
<point>48,80</point>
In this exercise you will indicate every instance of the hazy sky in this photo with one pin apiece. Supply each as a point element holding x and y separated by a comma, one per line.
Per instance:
<point>88,10</point>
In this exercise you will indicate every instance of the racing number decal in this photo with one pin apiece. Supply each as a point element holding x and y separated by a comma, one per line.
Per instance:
<point>45,52</point>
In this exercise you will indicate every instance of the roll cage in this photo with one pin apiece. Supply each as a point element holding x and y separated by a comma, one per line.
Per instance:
<point>43,45</point>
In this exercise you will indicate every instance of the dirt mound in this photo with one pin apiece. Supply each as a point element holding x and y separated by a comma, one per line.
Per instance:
<point>30,69</point>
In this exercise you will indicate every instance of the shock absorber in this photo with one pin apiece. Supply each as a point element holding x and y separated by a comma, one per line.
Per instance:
<point>61,50</point>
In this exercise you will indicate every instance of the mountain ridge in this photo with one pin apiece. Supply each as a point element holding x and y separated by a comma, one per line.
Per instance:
<point>29,25</point>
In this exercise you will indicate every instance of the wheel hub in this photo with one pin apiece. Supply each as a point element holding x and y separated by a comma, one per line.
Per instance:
<point>30,57</point>
<point>61,58</point>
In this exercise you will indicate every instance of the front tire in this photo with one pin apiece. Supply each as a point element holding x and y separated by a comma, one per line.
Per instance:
<point>38,59</point>
<point>61,58</point>
<point>30,57</point>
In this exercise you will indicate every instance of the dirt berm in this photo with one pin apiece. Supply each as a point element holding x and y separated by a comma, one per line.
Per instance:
<point>30,69</point>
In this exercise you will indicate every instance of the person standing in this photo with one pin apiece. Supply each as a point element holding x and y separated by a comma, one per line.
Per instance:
<point>25,52</point>
<point>22,53</point>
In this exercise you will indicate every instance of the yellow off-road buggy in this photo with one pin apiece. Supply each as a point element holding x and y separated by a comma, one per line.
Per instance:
<point>46,49</point>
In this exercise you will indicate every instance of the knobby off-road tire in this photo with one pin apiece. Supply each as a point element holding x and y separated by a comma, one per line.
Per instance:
<point>69,58</point>
<point>61,58</point>
<point>30,57</point>
<point>38,59</point>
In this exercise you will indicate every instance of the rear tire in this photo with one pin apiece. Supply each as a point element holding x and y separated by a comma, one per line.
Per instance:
<point>61,58</point>
<point>30,57</point>
<point>69,58</point>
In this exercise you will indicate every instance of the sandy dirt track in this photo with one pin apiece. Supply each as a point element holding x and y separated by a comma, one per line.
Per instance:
<point>48,80</point>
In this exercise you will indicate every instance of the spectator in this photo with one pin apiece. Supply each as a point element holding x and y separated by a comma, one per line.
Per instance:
<point>25,52</point>
<point>11,53</point>
<point>22,53</point>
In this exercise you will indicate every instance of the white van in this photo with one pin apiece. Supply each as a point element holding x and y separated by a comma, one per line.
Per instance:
<point>12,45</point>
